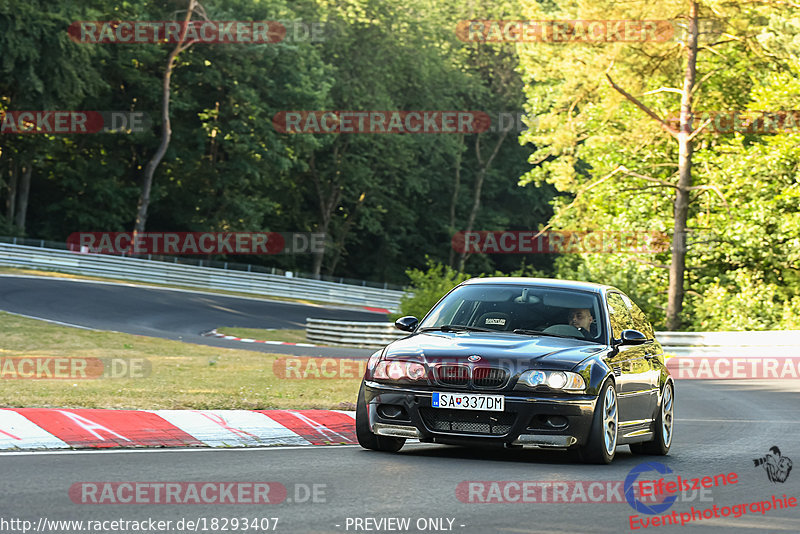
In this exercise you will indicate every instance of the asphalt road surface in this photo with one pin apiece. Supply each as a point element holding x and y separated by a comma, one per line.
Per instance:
<point>181,315</point>
<point>721,427</point>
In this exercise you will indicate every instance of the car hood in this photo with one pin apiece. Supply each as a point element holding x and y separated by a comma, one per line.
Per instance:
<point>535,352</point>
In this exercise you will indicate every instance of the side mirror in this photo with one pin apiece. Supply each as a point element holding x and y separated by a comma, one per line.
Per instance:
<point>632,337</point>
<point>407,323</point>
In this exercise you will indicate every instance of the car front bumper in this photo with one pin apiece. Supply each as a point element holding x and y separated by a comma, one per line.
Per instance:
<point>528,420</point>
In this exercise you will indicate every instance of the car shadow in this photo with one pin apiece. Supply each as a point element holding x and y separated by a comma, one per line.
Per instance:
<point>498,454</point>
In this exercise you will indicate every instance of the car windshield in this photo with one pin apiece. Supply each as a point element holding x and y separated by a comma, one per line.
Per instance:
<point>519,309</point>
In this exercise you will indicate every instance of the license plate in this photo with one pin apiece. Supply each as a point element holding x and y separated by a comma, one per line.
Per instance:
<point>468,401</point>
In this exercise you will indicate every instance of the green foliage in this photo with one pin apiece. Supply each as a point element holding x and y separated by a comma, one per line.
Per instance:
<point>427,287</point>
<point>743,301</point>
<point>614,168</point>
<point>384,200</point>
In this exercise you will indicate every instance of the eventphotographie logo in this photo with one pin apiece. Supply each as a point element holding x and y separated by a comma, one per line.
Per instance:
<point>777,466</point>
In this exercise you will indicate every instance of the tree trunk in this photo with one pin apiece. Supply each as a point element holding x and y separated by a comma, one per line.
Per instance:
<point>677,268</point>
<point>22,200</point>
<point>479,178</point>
<point>166,127</point>
<point>316,266</point>
<point>343,233</point>
<point>451,225</point>
<point>328,196</point>
<point>11,200</point>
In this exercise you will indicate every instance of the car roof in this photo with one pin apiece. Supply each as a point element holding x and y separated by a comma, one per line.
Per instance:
<point>546,282</point>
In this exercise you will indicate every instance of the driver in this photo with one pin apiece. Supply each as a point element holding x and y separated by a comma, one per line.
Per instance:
<point>581,318</point>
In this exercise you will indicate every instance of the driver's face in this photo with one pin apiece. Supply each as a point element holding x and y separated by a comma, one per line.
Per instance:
<point>581,318</point>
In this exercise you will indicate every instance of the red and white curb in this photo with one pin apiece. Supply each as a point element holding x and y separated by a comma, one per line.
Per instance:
<point>214,333</point>
<point>56,428</point>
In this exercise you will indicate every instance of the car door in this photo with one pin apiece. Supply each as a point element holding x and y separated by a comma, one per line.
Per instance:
<point>631,367</point>
<point>653,351</point>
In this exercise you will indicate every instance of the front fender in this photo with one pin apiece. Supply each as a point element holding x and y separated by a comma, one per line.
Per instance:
<point>594,371</point>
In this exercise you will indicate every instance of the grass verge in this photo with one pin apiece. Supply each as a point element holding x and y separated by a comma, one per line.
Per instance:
<point>183,376</point>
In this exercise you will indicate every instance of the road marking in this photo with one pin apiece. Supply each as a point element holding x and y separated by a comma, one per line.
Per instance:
<point>52,321</point>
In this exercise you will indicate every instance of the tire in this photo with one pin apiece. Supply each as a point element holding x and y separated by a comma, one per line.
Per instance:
<point>661,442</point>
<point>366,438</point>
<point>603,436</point>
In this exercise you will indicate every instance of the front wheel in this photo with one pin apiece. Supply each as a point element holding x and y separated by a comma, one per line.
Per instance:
<point>662,440</point>
<point>366,438</point>
<point>602,443</point>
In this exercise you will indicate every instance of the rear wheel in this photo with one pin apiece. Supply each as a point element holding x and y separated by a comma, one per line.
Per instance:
<point>602,442</point>
<point>366,438</point>
<point>662,440</point>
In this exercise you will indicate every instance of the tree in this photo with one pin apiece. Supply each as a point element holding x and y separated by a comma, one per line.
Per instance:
<point>166,127</point>
<point>605,135</point>
<point>41,68</point>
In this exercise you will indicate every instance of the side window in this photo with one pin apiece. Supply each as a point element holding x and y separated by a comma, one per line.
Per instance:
<point>640,321</point>
<point>618,315</point>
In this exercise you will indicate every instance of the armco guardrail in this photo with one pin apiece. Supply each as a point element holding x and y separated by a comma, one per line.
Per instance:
<point>351,334</point>
<point>774,343</point>
<point>731,344</point>
<point>193,276</point>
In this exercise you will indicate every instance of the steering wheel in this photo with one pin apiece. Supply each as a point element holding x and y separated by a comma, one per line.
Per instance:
<point>564,330</point>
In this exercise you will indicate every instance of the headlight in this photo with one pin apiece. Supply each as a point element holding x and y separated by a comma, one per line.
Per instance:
<point>563,380</point>
<point>373,360</point>
<point>399,370</point>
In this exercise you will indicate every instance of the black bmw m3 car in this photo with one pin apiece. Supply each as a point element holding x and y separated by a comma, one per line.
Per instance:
<point>522,362</point>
